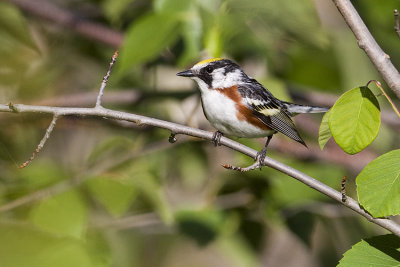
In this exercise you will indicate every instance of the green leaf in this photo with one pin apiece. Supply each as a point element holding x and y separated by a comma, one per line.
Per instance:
<point>355,119</point>
<point>376,251</point>
<point>21,245</point>
<point>378,185</point>
<point>324,131</point>
<point>115,194</point>
<point>146,38</point>
<point>63,214</point>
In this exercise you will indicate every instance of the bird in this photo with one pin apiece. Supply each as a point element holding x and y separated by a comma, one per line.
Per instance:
<point>236,104</point>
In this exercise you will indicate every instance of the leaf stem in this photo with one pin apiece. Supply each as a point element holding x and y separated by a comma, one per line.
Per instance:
<point>379,85</point>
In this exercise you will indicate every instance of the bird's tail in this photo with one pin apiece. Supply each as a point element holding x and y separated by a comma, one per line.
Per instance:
<point>297,108</point>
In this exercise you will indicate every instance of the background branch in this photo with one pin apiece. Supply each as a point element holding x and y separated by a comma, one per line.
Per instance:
<point>366,41</point>
<point>181,129</point>
<point>65,18</point>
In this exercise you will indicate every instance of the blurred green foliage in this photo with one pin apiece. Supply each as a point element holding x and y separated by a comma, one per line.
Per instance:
<point>122,195</point>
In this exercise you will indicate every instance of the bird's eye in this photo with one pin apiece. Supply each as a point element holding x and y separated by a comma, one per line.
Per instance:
<point>209,69</point>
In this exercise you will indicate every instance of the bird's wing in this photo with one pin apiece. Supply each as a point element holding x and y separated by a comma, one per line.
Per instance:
<point>269,109</point>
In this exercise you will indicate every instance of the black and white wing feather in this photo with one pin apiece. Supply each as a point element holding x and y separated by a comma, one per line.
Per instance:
<point>268,109</point>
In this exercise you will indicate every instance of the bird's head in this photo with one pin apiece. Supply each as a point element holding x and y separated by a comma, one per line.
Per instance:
<point>215,73</point>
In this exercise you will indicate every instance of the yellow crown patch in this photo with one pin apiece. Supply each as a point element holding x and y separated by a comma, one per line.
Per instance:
<point>209,60</point>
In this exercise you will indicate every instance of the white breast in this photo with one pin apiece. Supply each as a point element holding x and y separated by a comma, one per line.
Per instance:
<point>221,113</point>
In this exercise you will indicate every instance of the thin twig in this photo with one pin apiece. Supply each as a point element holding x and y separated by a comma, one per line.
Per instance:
<point>366,41</point>
<point>396,22</point>
<point>42,142</point>
<point>185,130</point>
<point>105,79</point>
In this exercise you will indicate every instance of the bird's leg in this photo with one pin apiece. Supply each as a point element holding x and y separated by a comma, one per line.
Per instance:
<point>263,152</point>
<point>216,138</point>
<point>259,160</point>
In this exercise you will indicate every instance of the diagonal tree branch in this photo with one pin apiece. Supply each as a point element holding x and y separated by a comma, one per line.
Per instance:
<point>182,129</point>
<point>42,142</point>
<point>366,41</point>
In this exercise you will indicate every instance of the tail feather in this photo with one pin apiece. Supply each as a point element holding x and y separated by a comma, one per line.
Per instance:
<point>297,108</point>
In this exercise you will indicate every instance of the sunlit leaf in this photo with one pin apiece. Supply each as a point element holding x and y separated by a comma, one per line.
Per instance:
<point>376,251</point>
<point>324,131</point>
<point>147,38</point>
<point>355,119</point>
<point>378,185</point>
<point>64,214</point>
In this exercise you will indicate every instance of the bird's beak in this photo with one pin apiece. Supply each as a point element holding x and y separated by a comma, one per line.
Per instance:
<point>186,73</point>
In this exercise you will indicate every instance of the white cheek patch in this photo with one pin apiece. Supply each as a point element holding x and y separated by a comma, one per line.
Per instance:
<point>222,80</point>
<point>202,85</point>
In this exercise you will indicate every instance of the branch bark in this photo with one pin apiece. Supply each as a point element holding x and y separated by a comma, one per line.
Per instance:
<point>181,129</point>
<point>366,41</point>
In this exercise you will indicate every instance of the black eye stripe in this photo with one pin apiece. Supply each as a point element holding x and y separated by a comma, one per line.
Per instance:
<point>227,65</point>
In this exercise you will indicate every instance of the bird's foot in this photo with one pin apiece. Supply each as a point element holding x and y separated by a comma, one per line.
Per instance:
<point>259,162</point>
<point>216,138</point>
<point>260,157</point>
<point>254,166</point>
